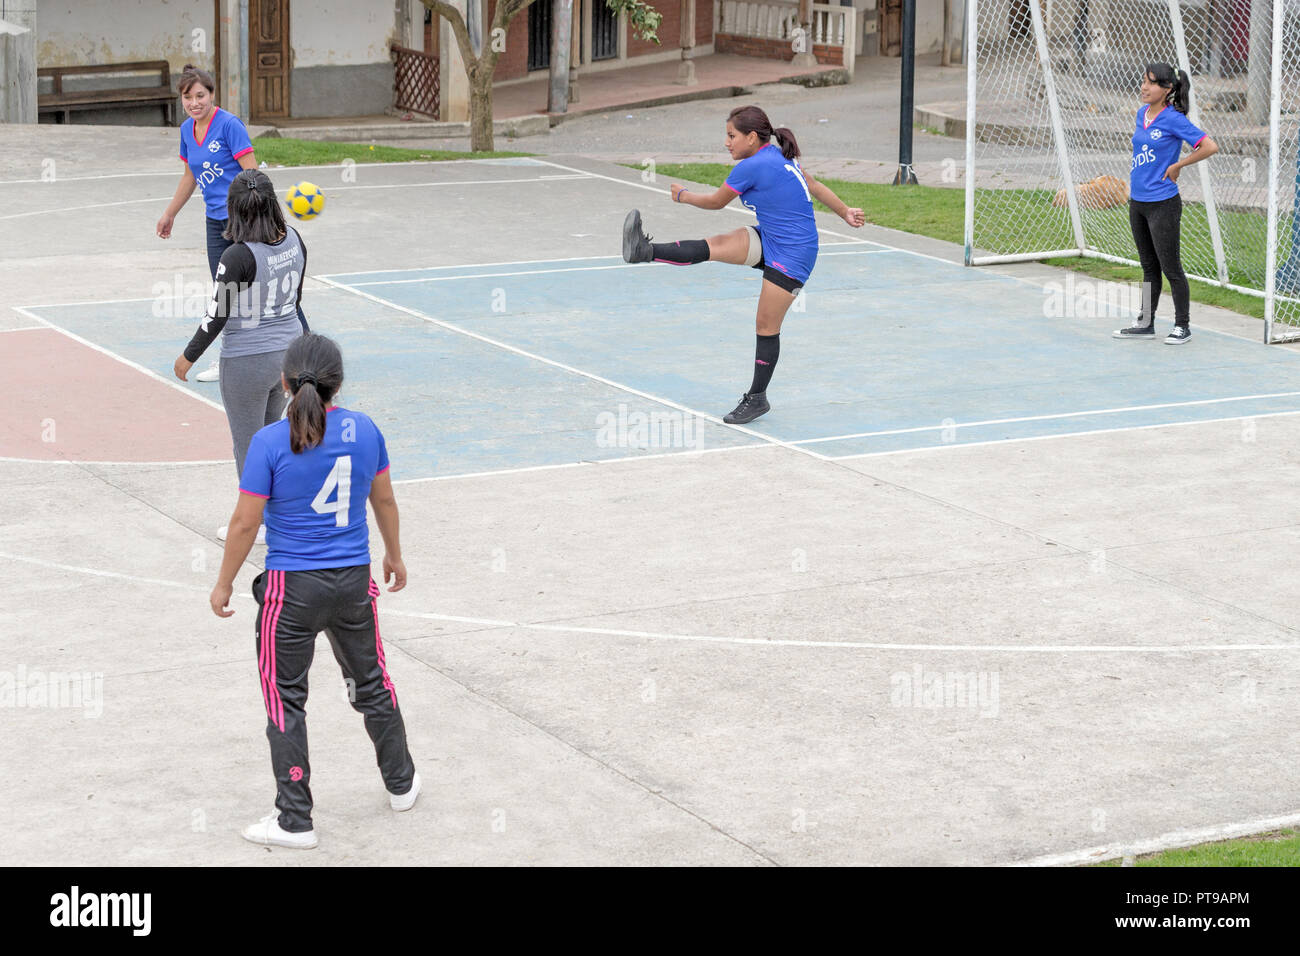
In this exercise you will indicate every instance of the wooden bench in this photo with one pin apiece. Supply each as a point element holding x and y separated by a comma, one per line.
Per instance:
<point>59,102</point>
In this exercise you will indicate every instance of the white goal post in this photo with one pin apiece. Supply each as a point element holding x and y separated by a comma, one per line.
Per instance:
<point>1050,106</point>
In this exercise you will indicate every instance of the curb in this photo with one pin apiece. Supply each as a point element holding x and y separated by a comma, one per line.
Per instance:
<point>836,76</point>
<point>934,116</point>
<point>711,93</point>
<point>416,129</point>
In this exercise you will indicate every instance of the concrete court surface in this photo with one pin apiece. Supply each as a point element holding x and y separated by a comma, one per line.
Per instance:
<point>734,656</point>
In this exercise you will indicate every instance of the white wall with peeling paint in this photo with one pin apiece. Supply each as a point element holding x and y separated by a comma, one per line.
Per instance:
<point>75,32</point>
<point>342,34</point>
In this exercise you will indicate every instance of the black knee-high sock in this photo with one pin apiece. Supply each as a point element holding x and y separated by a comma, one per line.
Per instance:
<point>765,356</point>
<point>685,253</point>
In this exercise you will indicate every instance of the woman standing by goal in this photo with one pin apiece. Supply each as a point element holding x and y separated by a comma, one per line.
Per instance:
<point>1155,208</point>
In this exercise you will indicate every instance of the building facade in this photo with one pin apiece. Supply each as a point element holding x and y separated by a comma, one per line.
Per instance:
<point>276,60</point>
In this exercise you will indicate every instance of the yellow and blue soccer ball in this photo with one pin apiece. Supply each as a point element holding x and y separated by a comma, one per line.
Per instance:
<point>305,201</point>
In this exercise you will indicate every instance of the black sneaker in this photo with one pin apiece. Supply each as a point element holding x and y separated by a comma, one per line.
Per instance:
<point>1136,331</point>
<point>750,407</point>
<point>1178,335</point>
<point>636,244</point>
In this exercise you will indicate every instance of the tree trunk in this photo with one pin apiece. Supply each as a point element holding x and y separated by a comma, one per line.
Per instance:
<point>480,111</point>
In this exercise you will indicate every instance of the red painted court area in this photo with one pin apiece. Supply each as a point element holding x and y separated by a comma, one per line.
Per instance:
<point>66,401</point>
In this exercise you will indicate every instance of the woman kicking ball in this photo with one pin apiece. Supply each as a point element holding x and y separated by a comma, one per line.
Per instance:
<point>769,180</point>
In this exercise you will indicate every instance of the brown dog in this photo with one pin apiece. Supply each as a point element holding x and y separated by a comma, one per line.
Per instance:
<point>1104,192</point>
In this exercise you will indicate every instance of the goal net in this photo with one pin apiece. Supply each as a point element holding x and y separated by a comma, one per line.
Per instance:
<point>1051,99</point>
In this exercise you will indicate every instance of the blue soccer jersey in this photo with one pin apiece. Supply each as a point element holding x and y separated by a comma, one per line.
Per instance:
<point>774,188</point>
<point>1156,147</point>
<point>316,500</point>
<point>214,160</point>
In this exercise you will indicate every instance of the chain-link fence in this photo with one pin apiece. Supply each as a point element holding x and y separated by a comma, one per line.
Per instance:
<point>1055,100</point>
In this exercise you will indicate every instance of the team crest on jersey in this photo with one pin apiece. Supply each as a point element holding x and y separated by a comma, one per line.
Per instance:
<point>214,146</point>
<point>1155,134</point>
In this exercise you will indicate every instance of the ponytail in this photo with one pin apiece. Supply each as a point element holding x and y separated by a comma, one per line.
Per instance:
<point>785,140</point>
<point>313,369</point>
<point>751,119</point>
<point>1178,84</point>
<point>1180,95</point>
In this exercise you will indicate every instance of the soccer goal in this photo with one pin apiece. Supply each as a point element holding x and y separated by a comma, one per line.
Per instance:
<point>1051,100</point>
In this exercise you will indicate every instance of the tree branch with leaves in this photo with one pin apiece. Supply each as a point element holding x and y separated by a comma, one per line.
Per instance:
<point>481,67</point>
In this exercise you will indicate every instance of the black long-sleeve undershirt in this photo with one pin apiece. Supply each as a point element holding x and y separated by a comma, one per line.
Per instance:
<point>235,275</point>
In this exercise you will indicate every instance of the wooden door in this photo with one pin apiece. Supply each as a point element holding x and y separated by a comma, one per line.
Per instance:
<point>891,27</point>
<point>268,59</point>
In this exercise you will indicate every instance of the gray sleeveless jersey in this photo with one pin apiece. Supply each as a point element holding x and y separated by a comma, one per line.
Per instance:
<point>264,317</point>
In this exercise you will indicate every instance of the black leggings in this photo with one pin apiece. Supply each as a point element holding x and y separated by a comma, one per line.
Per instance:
<point>1155,232</point>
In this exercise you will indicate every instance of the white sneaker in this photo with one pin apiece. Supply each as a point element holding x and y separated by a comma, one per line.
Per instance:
<point>210,374</point>
<point>404,801</point>
<point>261,533</point>
<point>267,832</point>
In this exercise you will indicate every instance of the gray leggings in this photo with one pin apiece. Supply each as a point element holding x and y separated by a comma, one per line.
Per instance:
<point>253,396</point>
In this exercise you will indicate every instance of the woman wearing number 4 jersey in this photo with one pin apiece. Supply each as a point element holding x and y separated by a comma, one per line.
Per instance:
<point>769,180</point>
<point>310,475</point>
<point>255,308</point>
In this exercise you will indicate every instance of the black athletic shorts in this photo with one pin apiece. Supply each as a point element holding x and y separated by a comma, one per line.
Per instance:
<point>776,276</point>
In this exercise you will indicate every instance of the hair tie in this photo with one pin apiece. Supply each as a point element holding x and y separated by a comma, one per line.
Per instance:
<point>306,378</point>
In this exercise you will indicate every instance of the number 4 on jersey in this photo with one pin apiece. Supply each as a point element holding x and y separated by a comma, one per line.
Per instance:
<point>340,477</point>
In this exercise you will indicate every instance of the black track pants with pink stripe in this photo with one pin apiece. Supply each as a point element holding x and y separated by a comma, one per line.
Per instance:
<point>295,607</point>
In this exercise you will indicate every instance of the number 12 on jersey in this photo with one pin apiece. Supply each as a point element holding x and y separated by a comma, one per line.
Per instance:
<point>340,478</point>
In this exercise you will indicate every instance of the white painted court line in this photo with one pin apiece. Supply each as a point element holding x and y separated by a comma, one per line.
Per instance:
<point>1094,431</point>
<point>446,182</point>
<point>471,265</point>
<point>125,361</point>
<point>172,174</point>
<point>162,199</point>
<point>69,461</point>
<point>26,328</point>
<point>1165,841</point>
<point>450,327</point>
<point>712,639</point>
<point>498,275</point>
<point>1043,418</point>
<point>533,272</point>
<point>99,205</point>
<point>67,305</point>
<point>1041,286</point>
<point>684,453</point>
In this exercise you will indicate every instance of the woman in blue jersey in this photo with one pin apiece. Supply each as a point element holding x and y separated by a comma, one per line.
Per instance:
<point>256,308</point>
<point>1155,208</point>
<point>309,477</point>
<point>214,148</point>
<point>769,180</point>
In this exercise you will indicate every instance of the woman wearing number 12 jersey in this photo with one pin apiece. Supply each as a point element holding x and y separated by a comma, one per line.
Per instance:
<point>256,308</point>
<point>308,477</point>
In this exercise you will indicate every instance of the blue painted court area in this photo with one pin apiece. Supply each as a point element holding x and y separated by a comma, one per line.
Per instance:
<point>891,351</point>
